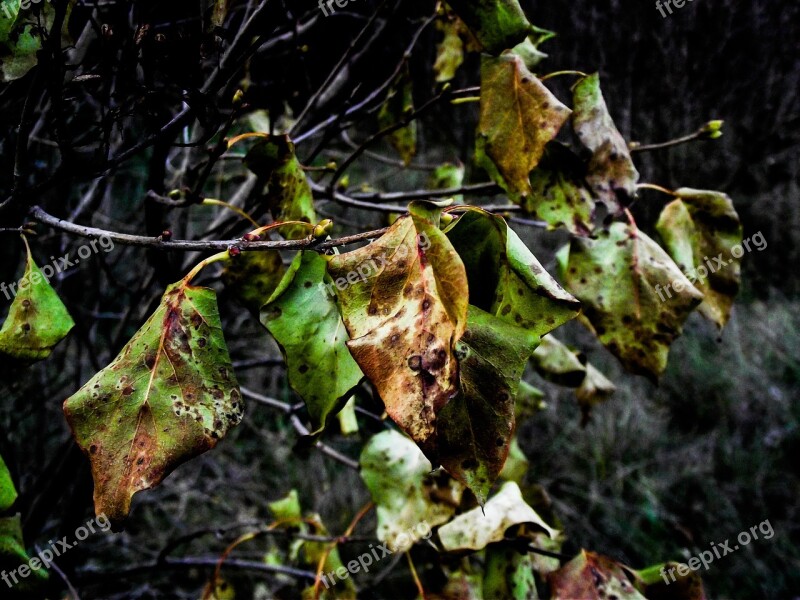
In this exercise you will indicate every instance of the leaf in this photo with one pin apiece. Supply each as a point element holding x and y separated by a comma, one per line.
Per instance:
<point>594,389</point>
<point>459,586</point>
<point>399,104</point>
<point>449,51</point>
<point>663,582</point>
<point>348,424</point>
<point>558,364</point>
<point>220,12</point>
<point>288,192</point>
<point>560,196</point>
<point>508,574</point>
<point>8,493</point>
<point>13,556</point>
<point>518,117</point>
<point>21,33</point>
<point>620,279</point>
<point>405,492</point>
<point>528,49</point>
<point>611,173</point>
<point>170,395</point>
<point>403,299</point>
<point>474,429</point>
<point>530,401</point>
<point>699,231</point>
<point>37,319</point>
<point>446,176</point>
<point>498,24</point>
<point>590,576</point>
<point>477,528</point>
<point>252,277</point>
<point>516,464</point>
<point>505,279</point>
<point>304,319</point>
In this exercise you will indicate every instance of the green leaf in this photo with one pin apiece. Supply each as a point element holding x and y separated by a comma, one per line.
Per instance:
<point>530,401</point>
<point>498,24</point>
<point>449,51</point>
<point>620,278</point>
<point>611,172</point>
<point>22,32</point>
<point>37,319</point>
<point>252,277</point>
<point>590,576</point>
<point>304,319</point>
<point>479,527</point>
<point>13,556</point>
<point>288,192</point>
<point>399,104</point>
<point>474,429</point>
<point>560,196</point>
<point>558,364</point>
<point>505,279</point>
<point>287,508</point>
<point>8,493</point>
<point>446,176</point>
<point>516,464</point>
<point>508,574</point>
<point>405,492</point>
<point>518,117</point>
<point>658,583</point>
<point>170,395</point>
<point>403,299</point>
<point>528,49</point>
<point>348,424</point>
<point>699,230</point>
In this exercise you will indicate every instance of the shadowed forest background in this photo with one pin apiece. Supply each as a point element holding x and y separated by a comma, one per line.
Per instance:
<point>658,473</point>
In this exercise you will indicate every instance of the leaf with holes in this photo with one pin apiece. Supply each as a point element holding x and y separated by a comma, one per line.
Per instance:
<point>304,319</point>
<point>37,319</point>
<point>590,576</point>
<point>288,193</point>
<point>474,429</point>
<point>699,231</point>
<point>620,278</point>
<point>170,395</point>
<point>518,117</point>
<point>611,172</point>
<point>498,24</point>
<point>479,527</point>
<point>8,493</point>
<point>405,492</point>
<point>560,196</point>
<point>505,279</point>
<point>403,299</point>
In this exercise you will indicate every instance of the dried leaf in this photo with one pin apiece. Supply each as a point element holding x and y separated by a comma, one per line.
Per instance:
<point>505,279</point>
<point>699,230</point>
<point>612,174</point>
<point>590,576</point>
<point>498,24</point>
<point>477,528</point>
<point>288,192</point>
<point>474,429</point>
<point>405,492</point>
<point>403,299</point>
<point>518,117</point>
<point>620,278</point>
<point>170,395</point>
<point>304,319</point>
<point>37,319</point>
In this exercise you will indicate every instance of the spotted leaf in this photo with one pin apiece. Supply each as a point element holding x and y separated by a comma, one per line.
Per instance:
<point>170,395</point>
<point>304,319</point>
<point>590,576</point>
<point>403,299</point>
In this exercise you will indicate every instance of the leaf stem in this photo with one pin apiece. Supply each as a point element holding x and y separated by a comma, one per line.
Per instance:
<point>657,188</point>
<point>203,264</point>
<point>465,100</point>
<point>262,229</point>
<point>559,73</point>
<point>236,209</point>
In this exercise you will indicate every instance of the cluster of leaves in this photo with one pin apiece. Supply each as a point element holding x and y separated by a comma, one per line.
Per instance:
<point>453,309</point>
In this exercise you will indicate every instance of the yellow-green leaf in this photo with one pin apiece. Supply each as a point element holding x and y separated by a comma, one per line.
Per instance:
<point>8,493</point>
<point>518,117</point>
<point>170,395</point>
<point>13,555</point>
<point>449,51</point>
<point>304,319</point>
<point>498,24</point>
<point>37,319</point>
<point>699,231</point>
<point>620,279</point>
<point>398,105</point>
